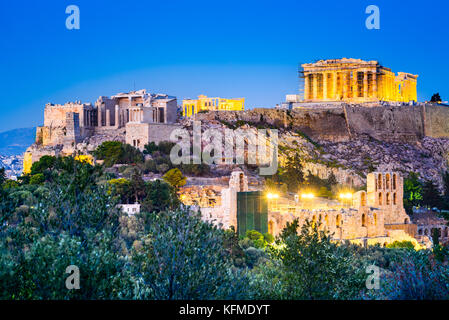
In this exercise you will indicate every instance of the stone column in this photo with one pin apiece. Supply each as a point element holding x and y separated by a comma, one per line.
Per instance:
<point>365,84</point>
<point>315,86</point>
<point>334,86</point>
<point>345,85</point>
<point>99,116</point>
<point>117,118</point>
<point>324,86</point>
<point>374,84</point>
<point>108,118</point>
<point>306,88</point>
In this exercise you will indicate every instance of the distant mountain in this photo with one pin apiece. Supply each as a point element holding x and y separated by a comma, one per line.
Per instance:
<point>15,142</point>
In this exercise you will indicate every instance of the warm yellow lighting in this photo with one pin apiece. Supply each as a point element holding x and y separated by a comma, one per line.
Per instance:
<point>272,196</point>
<point>307,196</point>
<point>345,196</point>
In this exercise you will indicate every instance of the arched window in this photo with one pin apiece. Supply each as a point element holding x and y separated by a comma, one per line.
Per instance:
<point>387,181</point>
<point>363,220</point>
<point>363,199</point>
<point>380,198</point>
<point>338,221</point>
<point>270,227</point>
<point>394,181</point>
<point>420,232</point>
<point>379,181</point>
<point>395,201</point>
<point>388,202</point>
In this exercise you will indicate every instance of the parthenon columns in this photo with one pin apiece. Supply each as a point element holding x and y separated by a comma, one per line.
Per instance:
<point>328,86</point>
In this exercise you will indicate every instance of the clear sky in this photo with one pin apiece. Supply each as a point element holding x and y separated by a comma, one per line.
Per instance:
<point>220,48</point>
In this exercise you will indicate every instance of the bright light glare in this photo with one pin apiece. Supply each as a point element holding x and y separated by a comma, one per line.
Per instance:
<point>272,196</point>
<point>345,195</point>
<point>307,196</point>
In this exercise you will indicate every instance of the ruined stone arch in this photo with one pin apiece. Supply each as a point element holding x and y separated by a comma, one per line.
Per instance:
<point>338,221</point>
<point>395,177</point>
<point>271,227</point>
<point>363,199</point>
<point>387,181</point>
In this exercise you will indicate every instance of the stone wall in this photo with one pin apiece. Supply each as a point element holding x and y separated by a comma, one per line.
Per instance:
<point>436,119</point>
<point>342,122</point>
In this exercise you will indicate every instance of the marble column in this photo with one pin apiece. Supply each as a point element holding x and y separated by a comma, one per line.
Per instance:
<point>306,87</point>
<point>365,84</point>
<point>324,85</point>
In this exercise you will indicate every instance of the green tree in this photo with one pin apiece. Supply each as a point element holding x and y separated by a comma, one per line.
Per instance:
<point>44,163</point>
<point>113,152</point>
<point>431,195</point>
<point>175,178</point>
<point>160,196</point>
<point>314,267</point>
<point>292,173</point>
<point>184,258</point>
<point>435,98</point>
<point>413,193</point>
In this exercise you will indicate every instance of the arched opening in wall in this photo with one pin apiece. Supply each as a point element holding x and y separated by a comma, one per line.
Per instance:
<point>363,220</point>
<point>270,227</point>
<point>379,181</point>
<point>394,181</point>
<point>388,202</point>
<point>426,232</point>
<point>313,220</point>
<point>395,200</point>
<point>363,199</point>
<point>420,232</point>
<point>406,221</point>
<point>380,198</point>
<point>446,232</point>
<point>387,181</point>
<point>241,182</point>
<point>338,221</point>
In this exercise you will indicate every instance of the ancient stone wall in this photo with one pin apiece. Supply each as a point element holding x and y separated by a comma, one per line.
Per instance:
<point>436,119</point>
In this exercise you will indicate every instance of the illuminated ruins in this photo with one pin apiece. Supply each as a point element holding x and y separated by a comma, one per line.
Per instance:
<point>356,81</point>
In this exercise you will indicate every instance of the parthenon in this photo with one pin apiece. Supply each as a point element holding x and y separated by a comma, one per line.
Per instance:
<point>356,80</point>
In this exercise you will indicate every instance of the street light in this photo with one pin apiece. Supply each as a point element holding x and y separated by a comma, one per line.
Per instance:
<point>346,197</point>
<point>307,196</point>
<point>271,196</point>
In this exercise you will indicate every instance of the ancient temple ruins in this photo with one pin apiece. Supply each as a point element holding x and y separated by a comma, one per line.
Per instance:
<point>356,81</point>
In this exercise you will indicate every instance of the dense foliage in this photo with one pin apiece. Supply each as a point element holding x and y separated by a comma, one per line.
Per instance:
<point>65,213</point>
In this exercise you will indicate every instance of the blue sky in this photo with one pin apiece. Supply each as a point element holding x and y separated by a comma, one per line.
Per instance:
<point>221,48</point>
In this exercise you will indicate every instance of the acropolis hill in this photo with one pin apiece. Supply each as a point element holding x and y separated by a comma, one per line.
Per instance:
<point>347,104</point>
